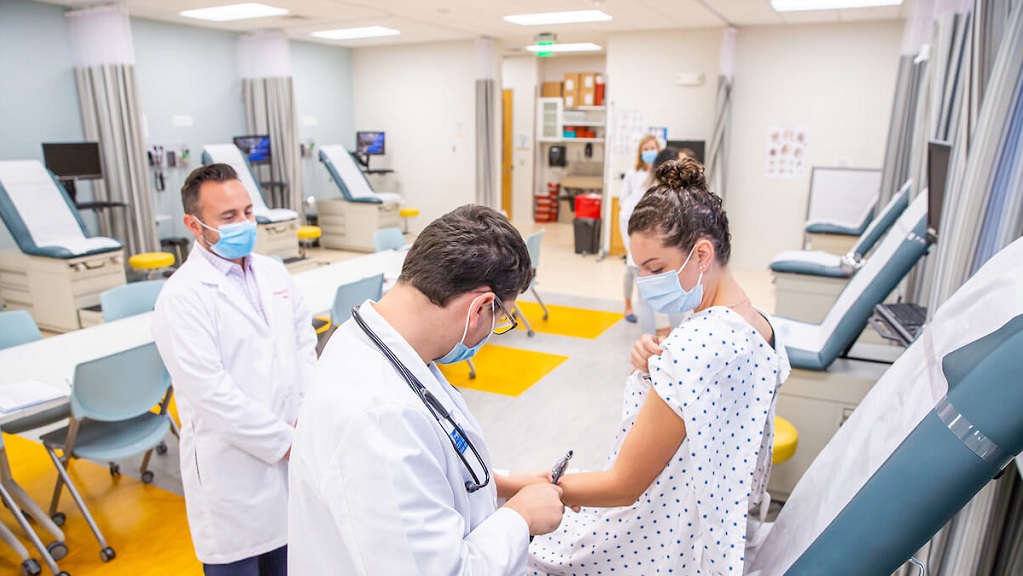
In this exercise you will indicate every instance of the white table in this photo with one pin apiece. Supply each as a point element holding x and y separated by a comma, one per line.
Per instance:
<point>52,361</point>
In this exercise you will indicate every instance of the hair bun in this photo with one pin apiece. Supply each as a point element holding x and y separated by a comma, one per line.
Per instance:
<point>682,174</point>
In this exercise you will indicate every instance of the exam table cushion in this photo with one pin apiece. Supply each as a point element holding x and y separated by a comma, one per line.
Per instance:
<point>40,215</point>
<point>230,154</point>
<point>350,179</point>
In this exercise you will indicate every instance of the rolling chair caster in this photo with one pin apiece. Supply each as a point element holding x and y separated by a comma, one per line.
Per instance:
<point>57,549</point>
<point>161,448</point>
<point>58,518</point>
<point>31,567</point>
<point>147,477</point>
<point>107,554</point>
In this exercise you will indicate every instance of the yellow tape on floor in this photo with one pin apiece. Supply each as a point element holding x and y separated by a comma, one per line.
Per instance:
<point>567,321</point>
<point>502,370</point>
<point>146,526</point>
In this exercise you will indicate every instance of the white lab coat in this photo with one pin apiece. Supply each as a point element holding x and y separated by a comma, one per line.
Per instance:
<point>376,487</point>
<point>631,193</point>
<point>239,383</point>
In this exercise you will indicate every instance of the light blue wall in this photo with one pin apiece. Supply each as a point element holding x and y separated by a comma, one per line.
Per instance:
<point>38,102</point>
<point>181,71</point>
<point>324,96</point>
<point>186,71</point>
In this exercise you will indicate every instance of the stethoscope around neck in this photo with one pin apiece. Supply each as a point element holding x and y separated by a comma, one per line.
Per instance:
<point>458,438</point>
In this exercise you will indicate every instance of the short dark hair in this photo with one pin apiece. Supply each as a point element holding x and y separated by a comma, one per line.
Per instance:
<point>198,177</point>
<point>681,210</point>
<point>469,247</point>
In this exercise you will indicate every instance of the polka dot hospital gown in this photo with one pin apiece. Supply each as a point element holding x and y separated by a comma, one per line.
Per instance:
<point>720,377</point>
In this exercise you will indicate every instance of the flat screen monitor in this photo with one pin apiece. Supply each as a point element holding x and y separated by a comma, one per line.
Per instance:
<point>256,148</point>
<point>73,160</point>
<point>938,154</point>
<point>369,143</point>
<point>697,147</point>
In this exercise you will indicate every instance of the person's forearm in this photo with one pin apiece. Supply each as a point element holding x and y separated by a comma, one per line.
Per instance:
<point>602,489</point>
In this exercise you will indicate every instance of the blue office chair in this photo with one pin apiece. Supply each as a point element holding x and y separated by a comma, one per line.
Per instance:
<point>111,419</point>
<point>355,293</point>
<point>16,328</point>
<point>130,299</point>
<point>533,242</point>
<point>388,239</point>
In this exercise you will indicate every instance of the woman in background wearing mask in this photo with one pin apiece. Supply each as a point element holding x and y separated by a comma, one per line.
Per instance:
<point>693,452</point>
<point>633,187</point>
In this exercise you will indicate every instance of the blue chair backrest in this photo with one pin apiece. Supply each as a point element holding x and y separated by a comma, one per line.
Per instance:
<point>353,294</point>
<point>16,328</point>
<point>130,299</point>
<point>119,386</point>
<point>884,221</point>
<point>388,239</point>
<point>533,242</point>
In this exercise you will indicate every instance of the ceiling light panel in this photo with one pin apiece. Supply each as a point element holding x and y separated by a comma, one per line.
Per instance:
<point>231,12</point>
<point>577,47</point>
<point>801,5</point>
<point>548,18</point>
<point>356,33</point>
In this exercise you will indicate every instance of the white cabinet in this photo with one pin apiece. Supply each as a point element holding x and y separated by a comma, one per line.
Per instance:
<point>555,123</point>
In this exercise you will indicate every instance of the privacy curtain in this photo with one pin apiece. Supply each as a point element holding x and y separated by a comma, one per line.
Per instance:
<point>269,98</point>
<point>104,60</point>
<point>983,213</point>
<point>717,156</point>
<point>487,130</point>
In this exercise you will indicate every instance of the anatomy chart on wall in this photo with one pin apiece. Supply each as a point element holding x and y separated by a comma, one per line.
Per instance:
<point>629,128</point>
<point>786,151</point>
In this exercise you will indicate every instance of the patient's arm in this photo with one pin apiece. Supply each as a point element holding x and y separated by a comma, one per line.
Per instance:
<point>509,485</point>
<point>648,448</point>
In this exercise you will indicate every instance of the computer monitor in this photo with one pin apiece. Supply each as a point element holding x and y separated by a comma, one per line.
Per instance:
<point>73,160</point>
<point>369,143</point>
<point>938,154</point>
<point>256,147</point>
<point>697,147</point>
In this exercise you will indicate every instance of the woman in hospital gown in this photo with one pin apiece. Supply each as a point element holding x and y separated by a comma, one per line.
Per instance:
<point>693,452</point>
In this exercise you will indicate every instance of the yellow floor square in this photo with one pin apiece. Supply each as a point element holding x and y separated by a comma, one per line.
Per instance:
<point>567,321</point>
<point>502,370</point>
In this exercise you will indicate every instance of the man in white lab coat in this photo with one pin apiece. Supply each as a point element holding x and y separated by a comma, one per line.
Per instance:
<point>390,473</point>
<point>240,348</point>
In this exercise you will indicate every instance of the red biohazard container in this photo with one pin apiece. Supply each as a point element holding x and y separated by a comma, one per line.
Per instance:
<point>587,206</point>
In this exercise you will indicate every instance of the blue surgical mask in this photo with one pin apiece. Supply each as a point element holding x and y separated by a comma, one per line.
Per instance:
<point>648,156</point>
<point>665,293</point>
<point>461,352</point>
<point>237,239</point>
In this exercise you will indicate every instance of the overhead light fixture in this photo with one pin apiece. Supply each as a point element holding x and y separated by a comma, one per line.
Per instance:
<point>356,33</point>
<point>545,18</point>
<point>799,5</point>
<point>230,12</point>
<point>577,47</point>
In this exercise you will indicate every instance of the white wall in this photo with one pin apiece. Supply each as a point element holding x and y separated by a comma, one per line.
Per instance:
<point>553,69</point>
<point>423,96</point>
<point>519,74</point>
<point>837,80</point>
<point>641,74</point>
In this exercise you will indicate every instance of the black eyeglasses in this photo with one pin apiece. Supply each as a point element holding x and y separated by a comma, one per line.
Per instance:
<point>506,322</point>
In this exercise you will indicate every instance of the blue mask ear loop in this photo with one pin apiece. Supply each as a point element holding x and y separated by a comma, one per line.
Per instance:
<point>209,245</point>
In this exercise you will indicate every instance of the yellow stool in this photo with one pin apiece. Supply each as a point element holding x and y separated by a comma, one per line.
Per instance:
<point>306,235</point>
<point>405,214</point>
<point>151,262</point>
<point>786,438</point>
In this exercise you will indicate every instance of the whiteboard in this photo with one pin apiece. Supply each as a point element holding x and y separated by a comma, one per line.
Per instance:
<point>842,196</point>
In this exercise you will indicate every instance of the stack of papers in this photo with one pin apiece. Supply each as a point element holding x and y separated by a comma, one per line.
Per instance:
<point>18,395</point>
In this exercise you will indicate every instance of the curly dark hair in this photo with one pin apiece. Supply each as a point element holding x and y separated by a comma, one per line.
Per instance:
<point>681,210</point>
<point>466,248</point>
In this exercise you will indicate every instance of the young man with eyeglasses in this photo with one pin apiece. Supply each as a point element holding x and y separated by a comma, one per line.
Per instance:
<point>390,473</point>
